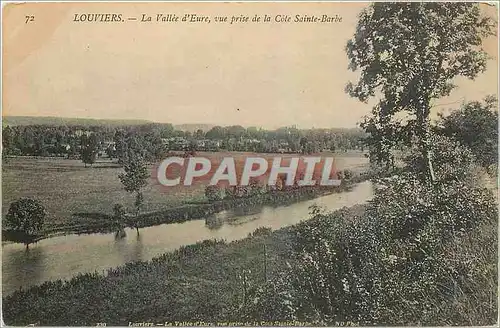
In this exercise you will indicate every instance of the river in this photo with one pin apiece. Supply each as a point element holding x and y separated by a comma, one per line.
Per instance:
<point>65,256</point>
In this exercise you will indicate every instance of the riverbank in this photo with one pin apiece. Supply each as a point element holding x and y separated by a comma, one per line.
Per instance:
<point>201,282</point>
<point>64,257</point>
<point>73,194</point>
<point>104,223</point>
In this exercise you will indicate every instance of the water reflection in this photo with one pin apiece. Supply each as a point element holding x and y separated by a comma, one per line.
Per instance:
<point>27,265</point>
<point>120,234</point>
<point>120,245</point>
<point>214,222</point>
<point>250,210</point>
<point>242,220</point>
<point>137,249</point>
<point>129,245</point>
<point>65,256</point>
<point>236,216</point>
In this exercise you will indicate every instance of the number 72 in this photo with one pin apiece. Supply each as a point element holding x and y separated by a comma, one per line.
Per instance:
<point>29,19</point>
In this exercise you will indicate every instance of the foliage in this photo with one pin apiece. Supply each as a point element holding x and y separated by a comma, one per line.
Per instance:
<point>421,224</point>
<point>119,218</point>
<point>135,176</point>
<point>345,175</point>
<point>336,272</point>
<point>475,125</point>
<point>395,264</point>
<point>213,193</point>
<point>272,301</point>
<point>134,179</point>
<point>261,231</point>
<point>25,219</point>
<point>88,150</point>
<point>154,140</point>
<point>400,262</point>
<point>408,55</point>
<point>452,160</point>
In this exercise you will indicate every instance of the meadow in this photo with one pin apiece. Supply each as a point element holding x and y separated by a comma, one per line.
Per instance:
<point>72,192</point>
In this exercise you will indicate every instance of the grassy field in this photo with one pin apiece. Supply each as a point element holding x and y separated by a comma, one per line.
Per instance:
<point>67,189</point>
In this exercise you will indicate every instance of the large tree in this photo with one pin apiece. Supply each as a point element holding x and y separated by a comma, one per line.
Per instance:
<point>24,220</point>
<point>408,55</point>
<point>89,149</point>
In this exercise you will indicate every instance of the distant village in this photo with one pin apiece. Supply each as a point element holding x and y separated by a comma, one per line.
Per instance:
<point>157,139</point>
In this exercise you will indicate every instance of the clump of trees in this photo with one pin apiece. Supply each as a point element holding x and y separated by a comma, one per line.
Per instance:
<point>153,141</point>
<point>408,55</point>
<point>475,126</point>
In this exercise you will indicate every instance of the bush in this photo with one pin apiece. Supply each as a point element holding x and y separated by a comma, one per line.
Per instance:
<point>336,274</point>
<point>399,262</point>
<point>190,250</point>
<point>450,160</point>
<point>261,231</point>
<point>345,175</point>
<point>421,223</point>
<point>273,301</point>
<point>214,193</point>
<point>475,125</point>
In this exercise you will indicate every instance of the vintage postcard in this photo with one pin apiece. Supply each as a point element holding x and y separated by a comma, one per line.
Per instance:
<point>249,164</point>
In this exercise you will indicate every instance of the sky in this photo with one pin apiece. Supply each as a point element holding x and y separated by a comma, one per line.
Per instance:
<point>254,74</point>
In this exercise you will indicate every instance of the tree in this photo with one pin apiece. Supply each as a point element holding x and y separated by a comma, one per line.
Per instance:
<point>199,134</point>
<point>134,179</point>
<point>303,145</point>
<point>25,220</point>
<point>120,146</point>
<point>73,146</point>
<point>217,132</point>
<point>110,151</point>
<point>408,55</point>
<point>475,125</point>
<point>7,139</point>
<point>153,145</point>
<point>167,130</point>
<point>89,148</point>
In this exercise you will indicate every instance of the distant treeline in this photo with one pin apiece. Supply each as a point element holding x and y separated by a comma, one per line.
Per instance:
<point>66,121</point>
<point>153,140</point>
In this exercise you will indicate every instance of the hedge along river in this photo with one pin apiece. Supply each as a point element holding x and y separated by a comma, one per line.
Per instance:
<point>65,256</point>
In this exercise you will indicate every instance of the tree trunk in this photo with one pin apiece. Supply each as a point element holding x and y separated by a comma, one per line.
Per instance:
<point>424,142</point>
<point>429,166</point>
<point>265,264</point>
<point>137,229</point>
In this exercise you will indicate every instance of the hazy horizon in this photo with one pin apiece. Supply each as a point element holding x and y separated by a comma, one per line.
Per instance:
<point>266,75</point>
<point>139,121</point>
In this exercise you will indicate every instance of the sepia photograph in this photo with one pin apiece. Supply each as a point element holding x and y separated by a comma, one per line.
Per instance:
<point>249,164</point>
